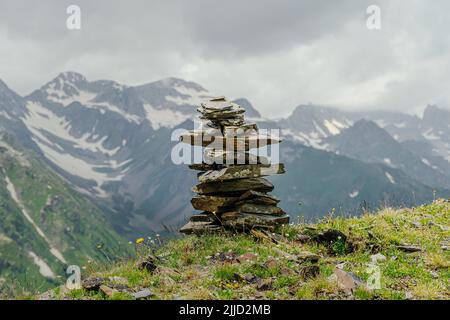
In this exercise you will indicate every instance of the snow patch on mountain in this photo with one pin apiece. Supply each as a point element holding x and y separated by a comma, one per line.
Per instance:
<point>5,239</point>
<point>389,177</point>
<point>312,140</point>
<point>188,96</point>
<point>15,196</point>
<point>331,127</point>
<point>168,118</point>
<point>427,162</point>
<point>44,268</point>
<point>41,121</point>
<point>80,167</point>
<point>353,194</point>
<point>106,106</point>
<point>6,115</point>
<point>430,135</point>
<point>57,91</point>
<point>388,161</point>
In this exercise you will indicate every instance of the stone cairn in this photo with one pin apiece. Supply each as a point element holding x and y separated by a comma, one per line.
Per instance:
<point>232,194</point>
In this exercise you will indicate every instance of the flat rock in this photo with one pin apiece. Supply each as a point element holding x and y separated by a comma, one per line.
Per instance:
<point>252,196</point>
<point>408,248</point>
<point>306,256</point>
<point>243,130</point>
<point>202,139</point>
<point>377,257</point>
<point>239,172</point>
<point>142,294</point>
<point>259,209</point>
<point>223,158</point>
<point>225,257</point>
<point>92,283</point>
<point>347,281</point>
<point>233,186</point>
<point>271,263</point>
<point>251,278</point>
<point>309,272</point>
<point>250,221</point>
<point>212,203</point>
<point>108,290</point>
<point>264,285</point>
<point>302,238</point>
<point>247,257</point>
<point>205,166</point>
<point>203,217</point>
<point>200,227</point>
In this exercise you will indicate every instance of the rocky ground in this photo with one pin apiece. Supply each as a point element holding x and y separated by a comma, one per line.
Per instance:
<point>391,254</point>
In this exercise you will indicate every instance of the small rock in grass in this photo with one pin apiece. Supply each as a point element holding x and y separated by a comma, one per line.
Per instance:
<point>224,257</point>
<point>416,224</point>
<point>302,238</point>
<point>346,281</point>
<point>148,263</point>
<point>440,226</point>
<point>251,278</point>
<point>309,272</point>
<point>93,283</point>
<point>270,263</point>
<point>285,271</point>
<point>409,295</point>
<point>247,257</point>
<point>142,294</point>
<point>264,285</point>
<point>377,257</point>
<point>330,236</point>
<point>237,277</point>
<point>120,280</point>
<point>107,290</point>
<point>408,248</point>
<point>308,256</point>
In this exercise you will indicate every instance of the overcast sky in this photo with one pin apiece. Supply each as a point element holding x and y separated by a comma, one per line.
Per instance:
<point>276,53</point>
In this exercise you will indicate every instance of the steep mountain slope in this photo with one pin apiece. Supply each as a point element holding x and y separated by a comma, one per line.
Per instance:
<point>322,180</point>
<point>313,125</point>
<point>12,109</point>
<point>45,225</point>
<point>436,129</point>
<point>368,142</point>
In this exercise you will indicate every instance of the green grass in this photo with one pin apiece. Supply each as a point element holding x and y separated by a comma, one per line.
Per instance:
<point>74,225</point>
<point>188,271</point>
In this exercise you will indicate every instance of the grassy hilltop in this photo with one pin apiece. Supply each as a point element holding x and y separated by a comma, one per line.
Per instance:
<point>328,260</point>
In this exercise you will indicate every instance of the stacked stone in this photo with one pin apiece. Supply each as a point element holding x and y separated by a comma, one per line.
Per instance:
<point>232,193</point>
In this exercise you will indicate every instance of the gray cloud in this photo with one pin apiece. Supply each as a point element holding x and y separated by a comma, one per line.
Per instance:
<point>276,53</point>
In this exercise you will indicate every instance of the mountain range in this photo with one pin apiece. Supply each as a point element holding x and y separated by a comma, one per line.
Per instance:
<point>108,146</point>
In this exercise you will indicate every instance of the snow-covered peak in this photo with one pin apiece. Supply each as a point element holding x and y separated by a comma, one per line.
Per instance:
<point>66,88</point>
<point>71,76</point>
<point>3,86</point>
<point>180,83</point>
